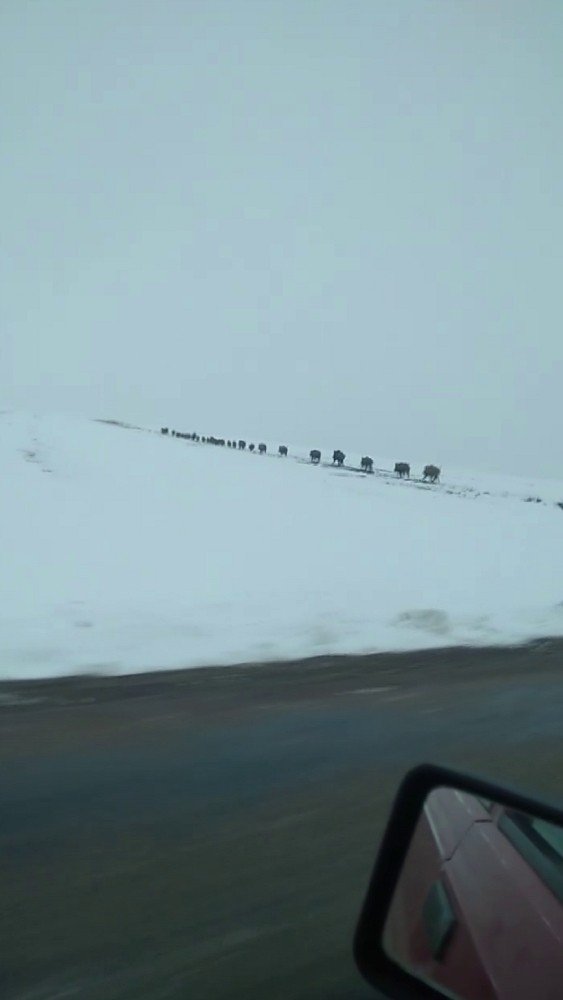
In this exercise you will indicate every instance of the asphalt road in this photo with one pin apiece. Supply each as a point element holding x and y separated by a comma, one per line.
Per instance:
<point>208,834</point>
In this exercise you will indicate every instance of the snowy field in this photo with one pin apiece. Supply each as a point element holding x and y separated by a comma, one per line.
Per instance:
<point>125,551</point>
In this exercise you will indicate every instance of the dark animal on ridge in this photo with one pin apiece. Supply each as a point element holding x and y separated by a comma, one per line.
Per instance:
<point>338,457</point>
<point>431,472</point>
<point>282,450</point>
<point>367,463</point>
<point>262,448</point>
<point>403,469</point>
<point>315,456</point>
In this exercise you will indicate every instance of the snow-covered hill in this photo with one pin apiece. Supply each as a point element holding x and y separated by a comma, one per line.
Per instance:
<point>123,551</point>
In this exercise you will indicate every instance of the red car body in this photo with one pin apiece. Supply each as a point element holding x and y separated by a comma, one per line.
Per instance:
<point>478,906</point>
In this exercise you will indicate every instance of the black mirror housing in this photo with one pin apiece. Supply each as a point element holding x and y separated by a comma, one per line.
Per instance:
<point>372,960</point>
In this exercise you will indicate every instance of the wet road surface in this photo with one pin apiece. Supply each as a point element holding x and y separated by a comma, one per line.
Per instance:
<point>208,834</point>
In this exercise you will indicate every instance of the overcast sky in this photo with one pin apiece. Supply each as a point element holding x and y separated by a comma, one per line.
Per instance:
<point>299,220</point>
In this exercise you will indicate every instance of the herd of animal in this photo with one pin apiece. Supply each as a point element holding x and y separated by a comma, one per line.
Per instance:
<point>431,473</point>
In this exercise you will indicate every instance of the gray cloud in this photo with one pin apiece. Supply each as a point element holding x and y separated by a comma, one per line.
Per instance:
<point>317,222</point>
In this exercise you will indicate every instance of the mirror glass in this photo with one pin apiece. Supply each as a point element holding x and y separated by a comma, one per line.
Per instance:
<point>478,908</point>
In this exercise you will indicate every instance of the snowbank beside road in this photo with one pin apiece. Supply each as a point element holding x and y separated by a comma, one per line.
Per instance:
<point>123,551</point>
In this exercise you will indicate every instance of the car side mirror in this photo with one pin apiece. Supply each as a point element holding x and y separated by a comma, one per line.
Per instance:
<point>466,896</point>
